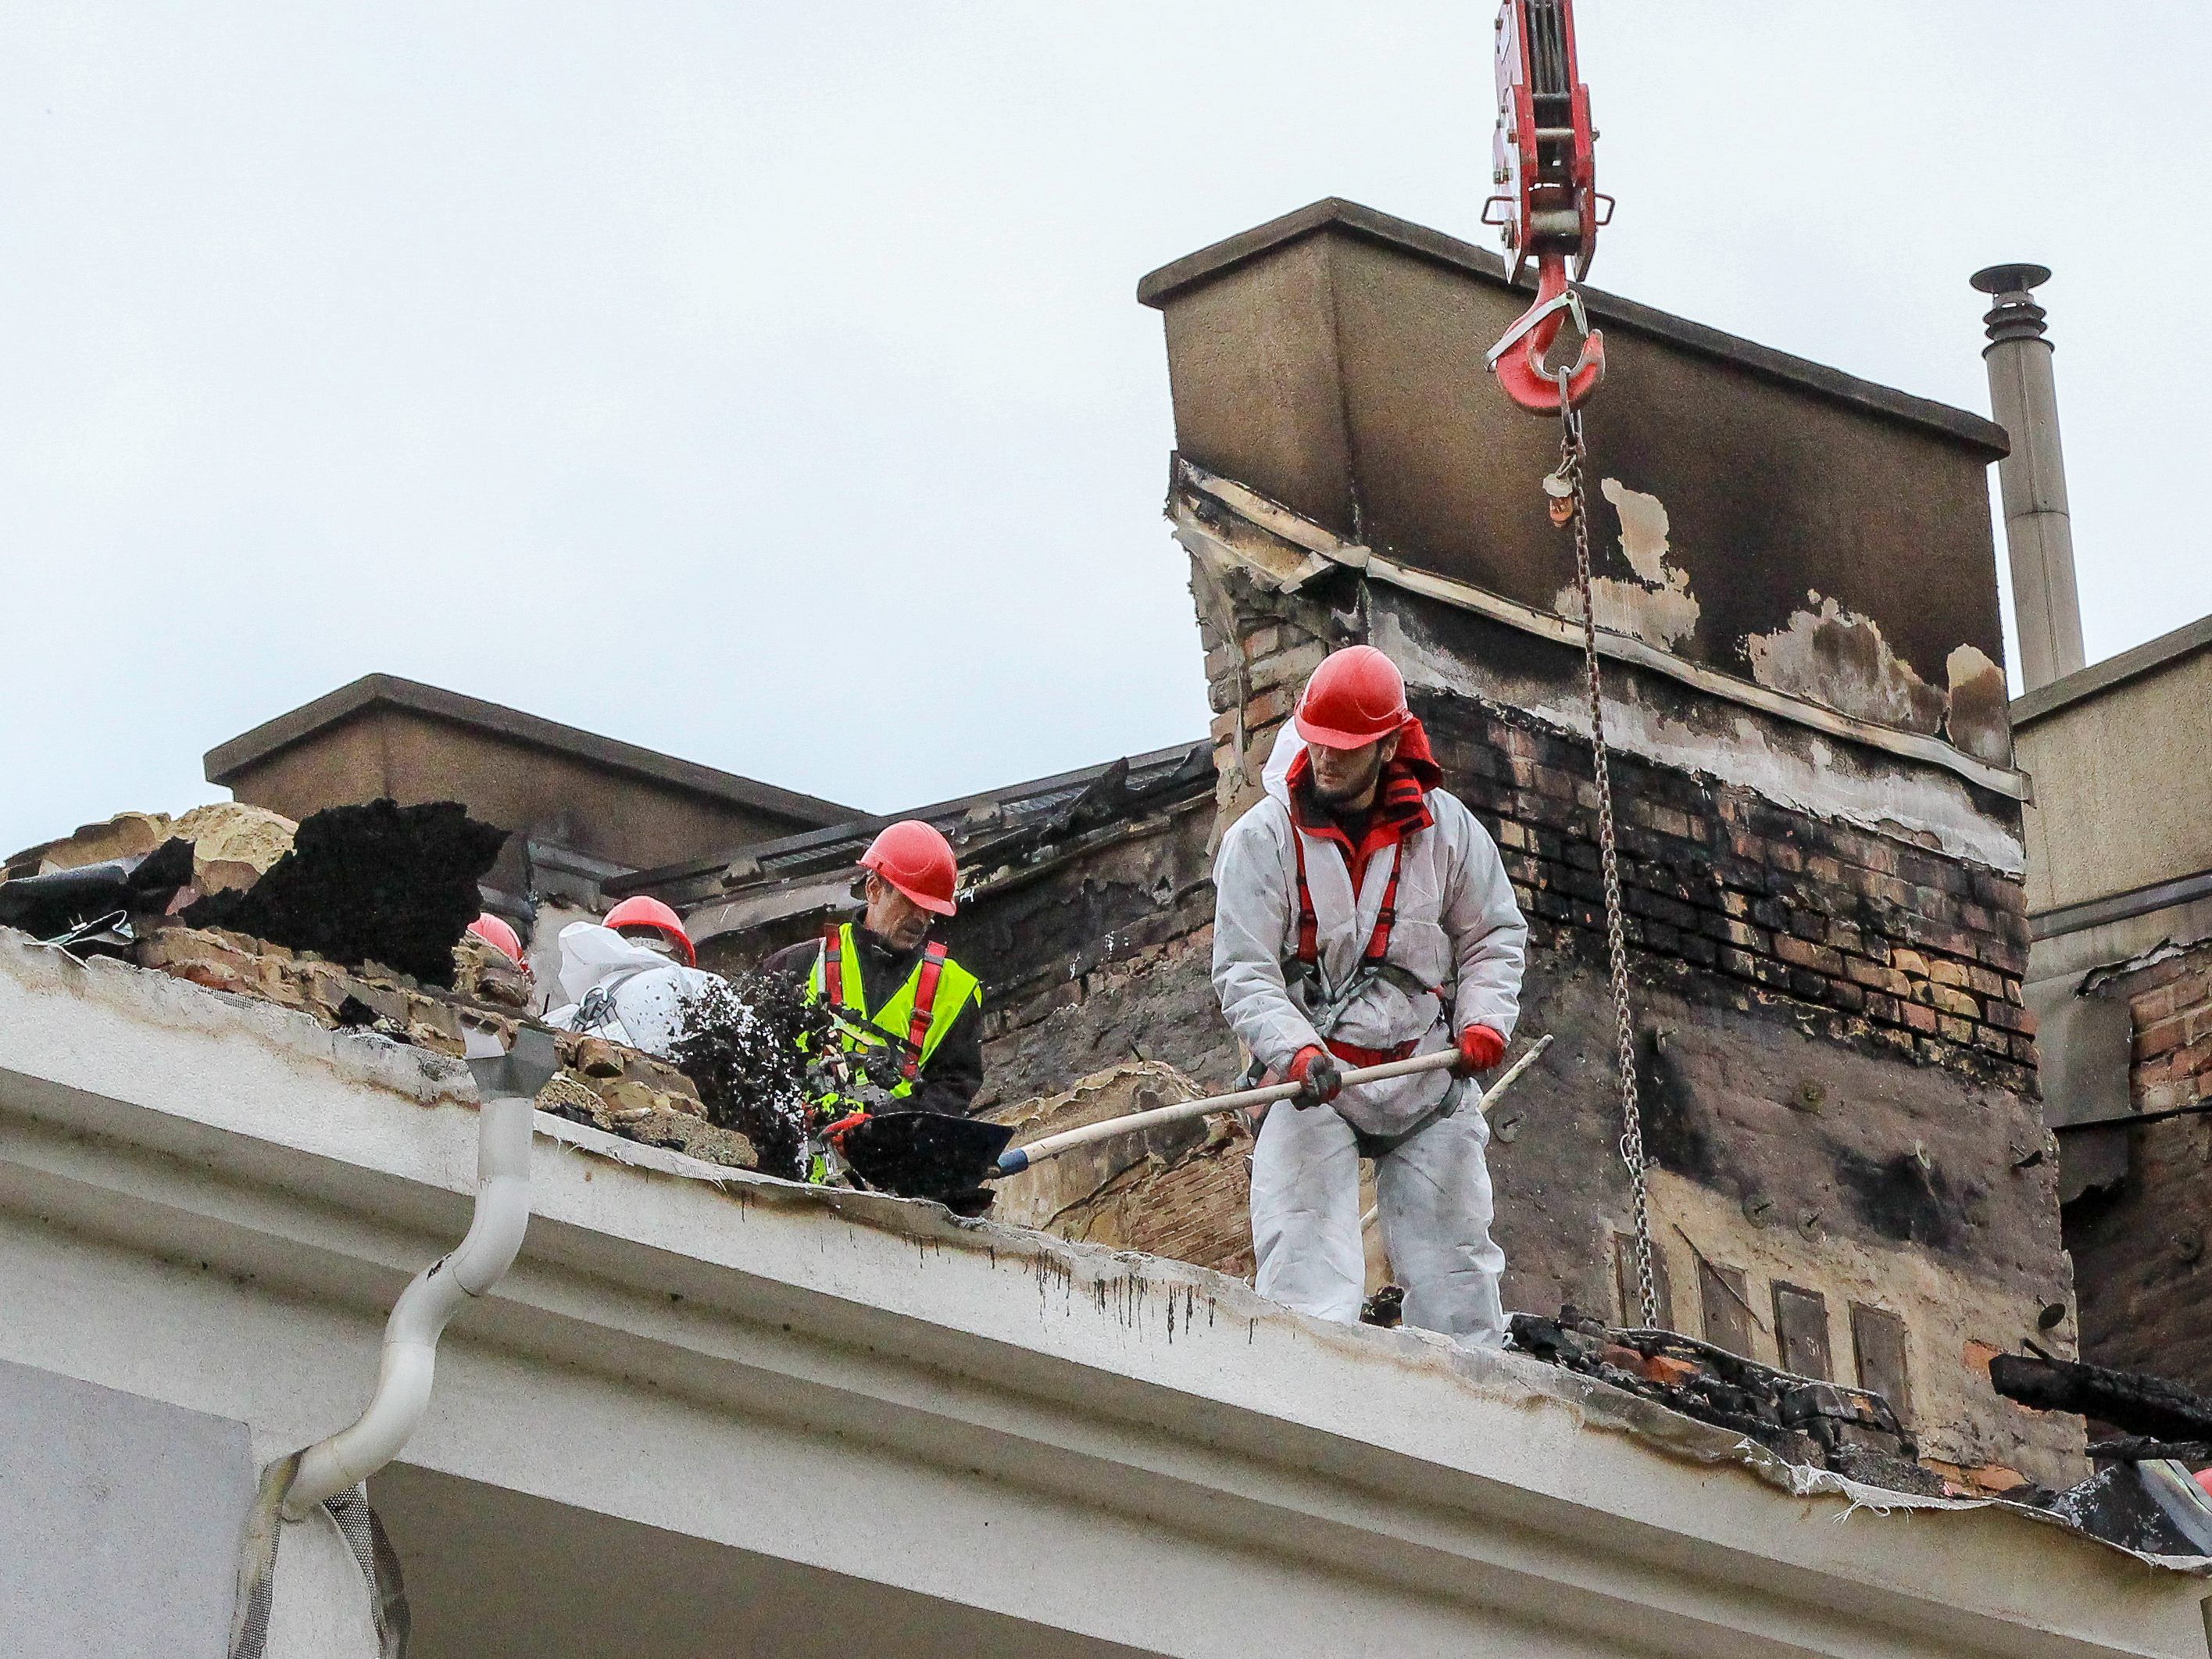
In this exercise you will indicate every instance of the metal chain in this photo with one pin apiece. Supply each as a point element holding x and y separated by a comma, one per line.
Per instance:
<point>1571,454</point>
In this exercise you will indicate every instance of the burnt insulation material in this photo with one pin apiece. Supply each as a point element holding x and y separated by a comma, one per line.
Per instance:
<point>2137,1404</point>
<point>381,883</point>
<point>50,905</point>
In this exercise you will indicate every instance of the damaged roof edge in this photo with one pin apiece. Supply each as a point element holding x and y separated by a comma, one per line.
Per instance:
<point>1958,425</point>
<point>1324,549</point>
<point>324,1131</point>
<point>226,760</point>
<point>855,826</point>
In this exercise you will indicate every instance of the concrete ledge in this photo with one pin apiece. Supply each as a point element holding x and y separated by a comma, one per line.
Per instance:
<point>2145,659</point>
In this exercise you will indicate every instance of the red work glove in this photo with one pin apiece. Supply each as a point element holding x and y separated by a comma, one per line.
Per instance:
<point>1315,1069</point>
<point>1479,1049</point>
<point>836,1133</point>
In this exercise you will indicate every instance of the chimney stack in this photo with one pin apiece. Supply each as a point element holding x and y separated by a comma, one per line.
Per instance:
<point>2038,530</point>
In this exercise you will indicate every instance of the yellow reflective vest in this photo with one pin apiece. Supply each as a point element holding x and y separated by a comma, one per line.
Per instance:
<point>915,1018</point>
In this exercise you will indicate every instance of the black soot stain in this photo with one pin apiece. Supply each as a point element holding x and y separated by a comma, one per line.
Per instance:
<point>1902,1198</point>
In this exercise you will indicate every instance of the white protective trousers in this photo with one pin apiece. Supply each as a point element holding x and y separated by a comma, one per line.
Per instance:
<point>1434,1193</point>
<point>1457,929</point>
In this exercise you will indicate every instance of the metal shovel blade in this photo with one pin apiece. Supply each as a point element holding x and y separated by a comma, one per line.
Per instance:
<point>925,1154</point>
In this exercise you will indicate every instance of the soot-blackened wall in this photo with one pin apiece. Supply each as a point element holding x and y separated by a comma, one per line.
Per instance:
<point>1836,1069</point>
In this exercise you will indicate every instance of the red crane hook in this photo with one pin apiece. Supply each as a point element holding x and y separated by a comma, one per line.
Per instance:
<point>1518,357</point>
<point>1547,179</point>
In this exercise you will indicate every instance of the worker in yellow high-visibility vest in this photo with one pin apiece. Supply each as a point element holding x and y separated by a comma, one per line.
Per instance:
<point>893,985</point>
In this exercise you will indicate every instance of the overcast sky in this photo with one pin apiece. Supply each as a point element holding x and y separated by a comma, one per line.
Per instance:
<point>764,383</point>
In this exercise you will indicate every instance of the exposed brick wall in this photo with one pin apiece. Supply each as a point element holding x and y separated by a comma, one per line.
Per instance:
<point>1896,946</point>
<point>2171,1003</point>
<point>1253,685</point>
<point>2142,1253</point>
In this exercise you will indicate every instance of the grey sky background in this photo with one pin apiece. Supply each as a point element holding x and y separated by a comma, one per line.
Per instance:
<point>764,383</point>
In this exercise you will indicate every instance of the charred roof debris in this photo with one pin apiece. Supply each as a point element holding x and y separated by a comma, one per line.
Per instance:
<point>376,883</point>
<point>1805,1420</point>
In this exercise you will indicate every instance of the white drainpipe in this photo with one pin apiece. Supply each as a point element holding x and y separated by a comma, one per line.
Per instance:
<point>507,1086</point>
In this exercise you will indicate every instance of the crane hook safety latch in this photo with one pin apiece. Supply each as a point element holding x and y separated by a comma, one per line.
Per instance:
<point>1518,357</point>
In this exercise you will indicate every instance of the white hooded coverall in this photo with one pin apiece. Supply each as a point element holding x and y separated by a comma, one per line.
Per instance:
<point>1459,930</point>
<point>644,992</point>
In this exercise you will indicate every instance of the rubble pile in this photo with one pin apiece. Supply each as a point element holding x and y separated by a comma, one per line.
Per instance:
<point>234,845</point>
<point>1180,1190</point>
<point>356,917</point>
<point>231,845</point>
<point>91,905</point>
<point>1804,1420</point>
<point>603,1084</point>
<point>336,995</point>
<point>640,1099</point>
<point>127,836</point>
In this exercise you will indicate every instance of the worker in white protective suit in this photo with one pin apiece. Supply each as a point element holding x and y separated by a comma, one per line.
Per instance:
<point>1362,916</point>
<point>627,979</point>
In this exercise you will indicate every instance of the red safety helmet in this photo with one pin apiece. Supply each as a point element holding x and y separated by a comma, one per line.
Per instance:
<point>644,912</point>
<point>1356,697</point>
<point>914,859</point>
<point>501,938</point>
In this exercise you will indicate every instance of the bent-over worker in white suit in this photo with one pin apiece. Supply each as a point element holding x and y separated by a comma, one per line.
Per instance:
<point>1362,916</point>
<point>629,980</point>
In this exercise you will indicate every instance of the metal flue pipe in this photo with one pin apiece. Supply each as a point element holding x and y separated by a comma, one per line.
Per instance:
<point>2032,480</point>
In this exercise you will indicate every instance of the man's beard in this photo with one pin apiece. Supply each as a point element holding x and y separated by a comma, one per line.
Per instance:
<point>1345,793</point>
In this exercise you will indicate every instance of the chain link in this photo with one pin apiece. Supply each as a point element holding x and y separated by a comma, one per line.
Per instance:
<point>1571,455</point>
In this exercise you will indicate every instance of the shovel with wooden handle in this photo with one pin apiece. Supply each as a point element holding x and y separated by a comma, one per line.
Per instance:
<point>1015,1159</point>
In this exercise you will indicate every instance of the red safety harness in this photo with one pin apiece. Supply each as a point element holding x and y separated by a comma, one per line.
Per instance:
<point>925,990</point>
<point>925,1002</point>
<point>1371,962</point>
<point>1378,942</point>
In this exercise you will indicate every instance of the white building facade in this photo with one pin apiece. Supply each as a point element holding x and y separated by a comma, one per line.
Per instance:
<point>711,1414</point>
